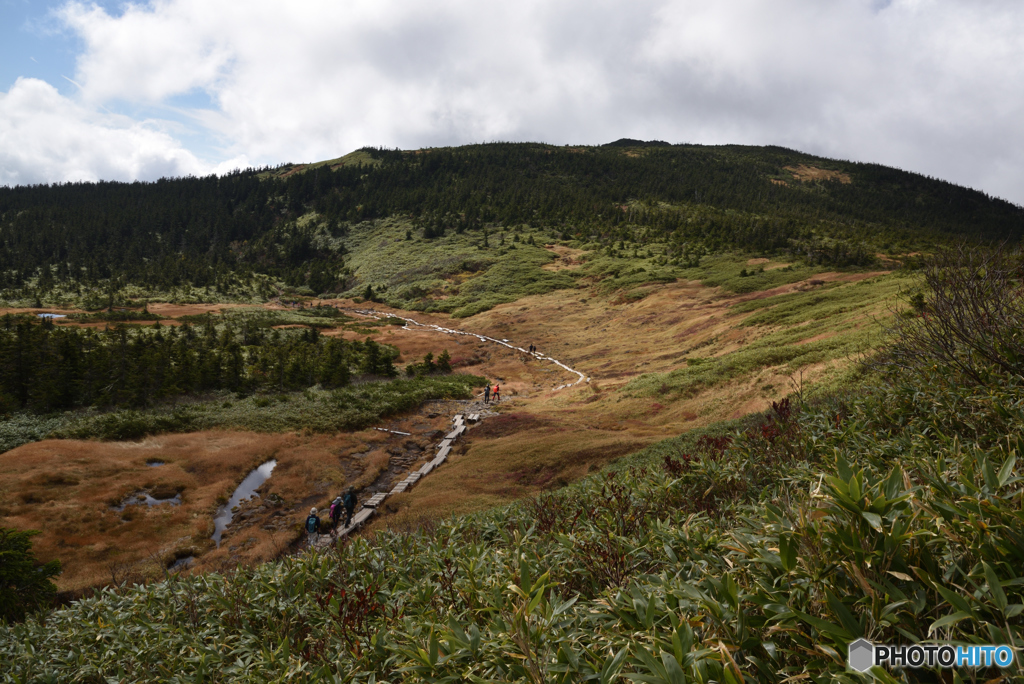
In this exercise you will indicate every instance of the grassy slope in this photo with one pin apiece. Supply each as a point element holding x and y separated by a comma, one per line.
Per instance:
<point>797,330</point>
<point>454,273</point>
<point>694,559</point>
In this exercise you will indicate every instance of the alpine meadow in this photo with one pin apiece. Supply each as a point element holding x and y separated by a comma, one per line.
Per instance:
<point>638,412</point>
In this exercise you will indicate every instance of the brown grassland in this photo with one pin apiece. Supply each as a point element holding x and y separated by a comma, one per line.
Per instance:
<point>802,172</point>
<point>536,439</point>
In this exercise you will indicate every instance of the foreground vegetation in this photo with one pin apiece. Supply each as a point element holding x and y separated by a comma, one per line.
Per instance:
<point>756,549</point>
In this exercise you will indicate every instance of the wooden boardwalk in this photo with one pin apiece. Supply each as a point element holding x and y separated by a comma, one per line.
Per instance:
<point>370,506</point>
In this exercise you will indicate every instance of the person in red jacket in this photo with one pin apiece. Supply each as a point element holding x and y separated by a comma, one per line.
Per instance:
<point>497,393</point>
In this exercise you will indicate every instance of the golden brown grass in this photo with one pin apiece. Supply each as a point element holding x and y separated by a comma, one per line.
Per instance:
<point>541,440</point>
<point>802,172</point>
<point>566,258</point>
<point>68,488</point>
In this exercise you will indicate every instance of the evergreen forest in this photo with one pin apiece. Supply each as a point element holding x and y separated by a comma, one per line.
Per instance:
<point>45,369</point>
<point>290,223</point>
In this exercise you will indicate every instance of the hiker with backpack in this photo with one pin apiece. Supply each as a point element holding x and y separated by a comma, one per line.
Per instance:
<point>497,393</point>
<point>487,392</point>
<point>335,514</point>
<point>350,505</point>
<point>313,527</point>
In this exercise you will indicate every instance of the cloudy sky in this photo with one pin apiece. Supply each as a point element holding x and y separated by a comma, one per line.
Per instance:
<point>111,90</point>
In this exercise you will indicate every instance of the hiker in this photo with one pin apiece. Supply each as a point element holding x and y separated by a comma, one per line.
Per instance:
<point>313,527</point>
<point>487,392</point>
<point>497,393</point>
<point>335,513</point>
<point>350,505</point>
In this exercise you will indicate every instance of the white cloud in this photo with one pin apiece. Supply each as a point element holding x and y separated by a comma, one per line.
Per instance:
<point>928,85</point>
<point>45,137</point>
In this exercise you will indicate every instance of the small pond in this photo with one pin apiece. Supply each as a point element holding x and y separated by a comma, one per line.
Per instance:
<point>140,498</point>
<point>243,491</point>
<point>182,564</point>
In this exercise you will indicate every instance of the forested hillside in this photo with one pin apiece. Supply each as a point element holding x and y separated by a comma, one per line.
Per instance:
<point>290,224</point>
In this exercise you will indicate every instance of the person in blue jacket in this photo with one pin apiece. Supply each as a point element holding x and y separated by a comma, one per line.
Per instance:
<point>313,527</point>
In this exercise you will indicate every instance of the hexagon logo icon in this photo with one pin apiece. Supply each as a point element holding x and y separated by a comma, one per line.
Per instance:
<point>860,655</point>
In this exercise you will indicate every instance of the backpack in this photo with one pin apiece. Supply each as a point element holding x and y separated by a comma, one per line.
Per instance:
<point>350,500</point>
<point>312,524</point>
<point>334,511</point>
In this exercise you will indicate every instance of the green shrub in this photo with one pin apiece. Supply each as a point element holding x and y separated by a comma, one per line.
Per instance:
<point>319,410</point>
<point>25,585</point>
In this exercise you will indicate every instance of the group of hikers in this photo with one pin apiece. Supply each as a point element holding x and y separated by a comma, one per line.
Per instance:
<point>343,504</point>
<point>347,502</point>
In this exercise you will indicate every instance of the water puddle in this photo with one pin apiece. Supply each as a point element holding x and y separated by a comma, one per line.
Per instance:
<point>146,498</point>
<point>155,464</point>
<point>51,315</point>
<point>182,564</point>
<point>244,491</point>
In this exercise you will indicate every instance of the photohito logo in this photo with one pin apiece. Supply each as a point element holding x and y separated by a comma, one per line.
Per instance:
<point>862,655</point>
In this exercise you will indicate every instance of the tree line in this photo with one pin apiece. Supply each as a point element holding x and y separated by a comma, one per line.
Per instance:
<point>44,368</point>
